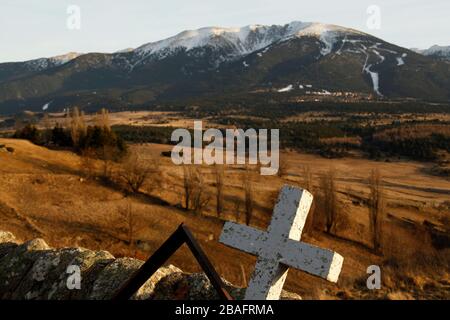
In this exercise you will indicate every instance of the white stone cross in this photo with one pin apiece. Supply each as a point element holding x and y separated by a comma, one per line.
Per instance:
<point>279,247</point>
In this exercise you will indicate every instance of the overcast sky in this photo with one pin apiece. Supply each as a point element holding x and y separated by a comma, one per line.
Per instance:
<point>38,28</point>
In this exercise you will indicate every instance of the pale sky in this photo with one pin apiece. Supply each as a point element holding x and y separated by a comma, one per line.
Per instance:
<point>38,28</point>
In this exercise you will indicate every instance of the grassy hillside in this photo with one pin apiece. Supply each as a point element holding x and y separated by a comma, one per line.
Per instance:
<point>45,193</point>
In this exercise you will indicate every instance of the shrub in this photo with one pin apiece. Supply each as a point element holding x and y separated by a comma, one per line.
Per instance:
<point>30,133</point>
<point>136,173</point>
<point>87,163</point>
<point>194,185</point>
<point>128,222</point>
<point>107,145</point>
<point>61,137</point>
<point>329,201</point>
<point>409,254</point>
<point>376,209</point>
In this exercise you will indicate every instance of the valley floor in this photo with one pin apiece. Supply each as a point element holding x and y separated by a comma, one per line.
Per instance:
<point>43,193</point>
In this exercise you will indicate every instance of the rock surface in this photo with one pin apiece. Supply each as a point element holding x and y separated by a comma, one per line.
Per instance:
<point>34,271</point>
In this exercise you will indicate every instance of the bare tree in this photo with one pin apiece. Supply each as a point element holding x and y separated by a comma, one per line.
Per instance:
<point>77,126</point>
<point>307,184</point>
<point>136,172</point>
<point>200,199</point>
<point>19,123</point>
<point>46,122</point>
<point>188,185</point>
<point>248,189</point>
<point>87,163</point>
<point>376,208</point>
<point>282,166</point>
<point>47,128</point>
<point>219,174</point>
<point>237,209</point>
<point>329,200</point>
<point>102,119</point>
<point>107,155</point>
<point>194,185</point>
<point>128,222</point>
<point>307,178</point>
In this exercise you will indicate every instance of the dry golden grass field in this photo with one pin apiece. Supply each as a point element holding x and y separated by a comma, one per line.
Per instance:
<point>46,193</point>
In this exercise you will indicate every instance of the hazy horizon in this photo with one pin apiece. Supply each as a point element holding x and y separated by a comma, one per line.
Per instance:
<point>39,29</point>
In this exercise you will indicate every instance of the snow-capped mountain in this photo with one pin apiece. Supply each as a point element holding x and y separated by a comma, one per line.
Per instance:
<point>300,56</point>
<point>436,51</point>
<point>223,45</point>
<point>13,70</point>
<point>238,42</point>
<point>217,45</point>
<point>45,63</point>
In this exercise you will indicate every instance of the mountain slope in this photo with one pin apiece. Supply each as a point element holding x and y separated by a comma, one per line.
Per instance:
<point>211,61</point>
<point>442,52</point>
<point>12,70</point>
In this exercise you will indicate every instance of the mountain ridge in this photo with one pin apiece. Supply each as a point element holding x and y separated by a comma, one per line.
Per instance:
<point>214,60</point>
<point>435,51</point>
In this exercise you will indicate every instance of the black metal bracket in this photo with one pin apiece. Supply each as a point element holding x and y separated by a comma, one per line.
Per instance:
<point>171,245</point>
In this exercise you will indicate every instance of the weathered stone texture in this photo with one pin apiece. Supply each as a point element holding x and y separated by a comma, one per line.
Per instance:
<point>34,271</point>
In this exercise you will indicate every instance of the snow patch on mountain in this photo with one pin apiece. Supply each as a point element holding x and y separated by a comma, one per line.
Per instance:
<point>45,106</point>
<point>381,57</point>
<point>375,79</point>
<point>286,89</point>
<point>400,60</point>
<point>45,63</point>
<point>437,50</point>
<point>210,36</point>
<point>328,34</point>
<point>242,41</point>
<point>369,50</point>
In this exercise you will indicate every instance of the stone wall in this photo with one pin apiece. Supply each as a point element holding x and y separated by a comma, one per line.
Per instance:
<point>33,270</point>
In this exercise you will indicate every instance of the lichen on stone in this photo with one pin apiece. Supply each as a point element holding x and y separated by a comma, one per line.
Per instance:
<point>34,271</point>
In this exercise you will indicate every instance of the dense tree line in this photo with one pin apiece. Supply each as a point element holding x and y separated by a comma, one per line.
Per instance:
<point>362,121</point>
<point>274,106</point>
<point>310,137</point>
<point>95,138</point>
<point>99,139</point>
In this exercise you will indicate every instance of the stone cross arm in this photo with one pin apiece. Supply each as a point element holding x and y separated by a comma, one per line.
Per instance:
<point>280,247</point>
<point>320,262</point>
